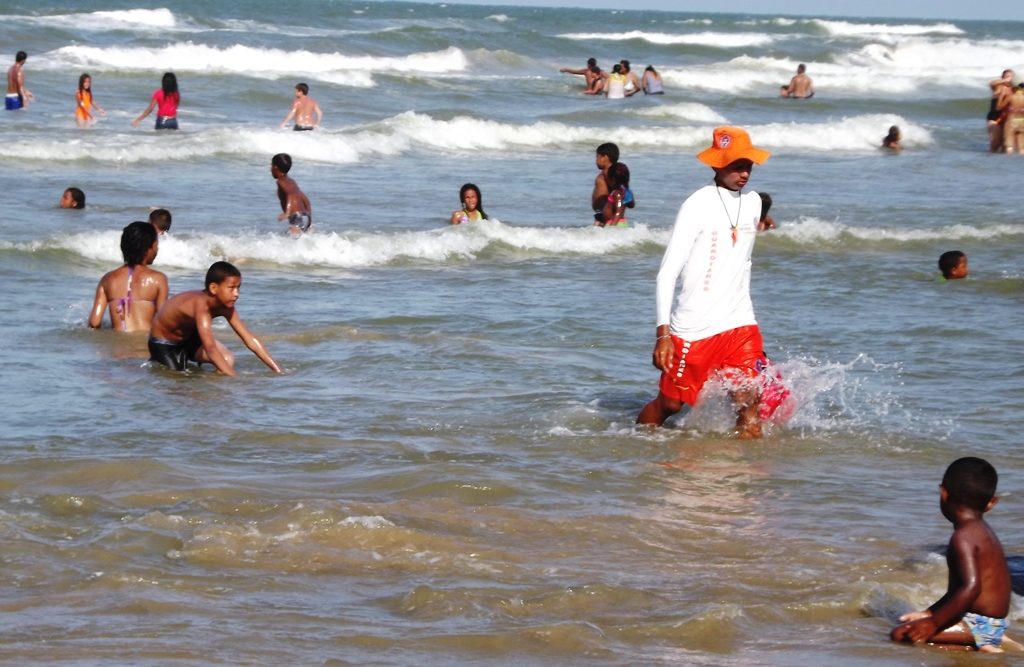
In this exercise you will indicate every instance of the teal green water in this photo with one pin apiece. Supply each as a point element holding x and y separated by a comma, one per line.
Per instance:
<point>448,472</point>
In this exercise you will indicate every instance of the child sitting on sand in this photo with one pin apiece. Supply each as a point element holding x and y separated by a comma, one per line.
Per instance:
<point>973,611</point>
<point>182,329</point>
<point>953,265</point>
<point>620,197</point>
<point>144,289</point>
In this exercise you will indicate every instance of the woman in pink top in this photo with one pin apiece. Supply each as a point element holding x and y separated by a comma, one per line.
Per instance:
<point>166,101</point>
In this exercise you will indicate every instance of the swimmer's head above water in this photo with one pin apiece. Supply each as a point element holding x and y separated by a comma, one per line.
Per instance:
<point>161,220</point>
<point>953,265</point>
<point>282,162</point>
<point>73,198</point>
<point>138,243</point>
<point>472,200</point>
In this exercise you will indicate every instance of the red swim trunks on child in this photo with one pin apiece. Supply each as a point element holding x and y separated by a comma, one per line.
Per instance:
<point>737,352</point>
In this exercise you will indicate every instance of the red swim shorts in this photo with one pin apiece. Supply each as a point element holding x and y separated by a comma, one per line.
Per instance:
<point>737,353</point>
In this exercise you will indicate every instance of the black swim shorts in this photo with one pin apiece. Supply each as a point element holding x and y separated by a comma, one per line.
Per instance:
<point>174,355</point>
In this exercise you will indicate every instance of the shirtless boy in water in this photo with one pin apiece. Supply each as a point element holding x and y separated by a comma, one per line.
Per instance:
<point>182,330</point>
<point>134,291</point>
<point>17,95</point>
<point>972,613</point>
<point>799,86</point>
<point>294,204</point>
<point>594,75</point>
<point>303,109</point>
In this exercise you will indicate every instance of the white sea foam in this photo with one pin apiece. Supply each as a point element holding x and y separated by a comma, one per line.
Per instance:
<point>814,231</point>
<point>107,20</point>
<point>685,111</point>
<point>907,65</point>
<point>250,61</point>
<point>409,130</point>
<point>721,40</point>
<point>501,18</point>
<point>353,250</point>
<point>845,28</point>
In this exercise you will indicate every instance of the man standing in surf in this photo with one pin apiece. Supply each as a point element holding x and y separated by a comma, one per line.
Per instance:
<point>712,331</point>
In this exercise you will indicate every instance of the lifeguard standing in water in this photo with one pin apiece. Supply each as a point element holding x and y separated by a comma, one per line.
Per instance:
<point>712,331</point>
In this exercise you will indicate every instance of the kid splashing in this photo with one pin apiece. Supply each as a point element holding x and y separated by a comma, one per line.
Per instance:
<point>83,116</point>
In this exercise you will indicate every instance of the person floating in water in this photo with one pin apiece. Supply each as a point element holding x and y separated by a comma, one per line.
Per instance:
<point>712,332</point>
<point>800,86</point>
<point>607,155</point>
<point>973,611</point>
<point>620,197</point>
<point>766,222</point>
<point>166,101</point>
<point>294,204</point>
<point>892,140</point>
<point>144,290</point>
<point>83,97</point>
<point>953,265</point>
<point>304,109</point>
<point>472,206</point>
<point>182,330</point>
<point>160,218</point>
<point>73,198</point>
<point>594,75</point>
<point>17,95</point>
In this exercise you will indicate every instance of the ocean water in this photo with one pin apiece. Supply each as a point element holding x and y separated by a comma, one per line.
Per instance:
<point>449,473</point>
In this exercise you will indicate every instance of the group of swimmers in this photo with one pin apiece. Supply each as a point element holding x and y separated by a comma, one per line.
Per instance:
<point>1006,114</point>
<point>165,100</point>
<point>621,83</point>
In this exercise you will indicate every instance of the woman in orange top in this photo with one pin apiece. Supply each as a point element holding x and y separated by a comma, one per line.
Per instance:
<point>85,102</point>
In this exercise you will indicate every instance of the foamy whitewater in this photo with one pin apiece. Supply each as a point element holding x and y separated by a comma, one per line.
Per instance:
<point>448,471</point>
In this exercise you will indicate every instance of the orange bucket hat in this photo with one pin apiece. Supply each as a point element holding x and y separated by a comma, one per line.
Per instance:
<point>731,144</point>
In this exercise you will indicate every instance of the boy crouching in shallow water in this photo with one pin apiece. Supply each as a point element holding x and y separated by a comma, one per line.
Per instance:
<point>972,613</point>
<point>182,332</point>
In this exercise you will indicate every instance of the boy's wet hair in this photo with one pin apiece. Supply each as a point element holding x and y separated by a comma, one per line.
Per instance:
<point>77,196</point>
<point>802,68</point>
<point>136,240</point>
<point>971,481</point>
<point>219,272</point>
<point>618,175</point>
<point>592,62</point>
<point>479,198</point>
<point>610,151</point>
<point>948,261</point>
<point>282,161</point>
<point>302,88</point>
<point>766,203</point>
<point>20,57</point>
<point>161,219</point>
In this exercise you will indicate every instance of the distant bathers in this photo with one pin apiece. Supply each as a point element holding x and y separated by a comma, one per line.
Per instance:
<point>167,122</point>
<point>654,86</point>
<point>302,128</point>
<point>174,355</point>
<point>14,101</point>
<point>301,220</point>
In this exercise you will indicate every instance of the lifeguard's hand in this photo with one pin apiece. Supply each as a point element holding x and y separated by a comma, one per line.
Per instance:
<point>664,350</point>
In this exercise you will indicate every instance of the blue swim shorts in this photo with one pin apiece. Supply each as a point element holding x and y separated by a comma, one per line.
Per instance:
<point>13,102</point>
<point>987,631</point>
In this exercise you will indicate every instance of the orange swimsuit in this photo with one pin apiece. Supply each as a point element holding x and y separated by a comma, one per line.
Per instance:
<point>84,102</point>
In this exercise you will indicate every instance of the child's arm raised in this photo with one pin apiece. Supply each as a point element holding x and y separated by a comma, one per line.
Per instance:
<point>252,342</point>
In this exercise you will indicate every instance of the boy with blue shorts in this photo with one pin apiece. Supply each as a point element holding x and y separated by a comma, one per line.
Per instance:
<point>972,613</point>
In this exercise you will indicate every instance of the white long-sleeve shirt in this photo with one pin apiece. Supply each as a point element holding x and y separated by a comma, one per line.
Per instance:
<point>716,272</point>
